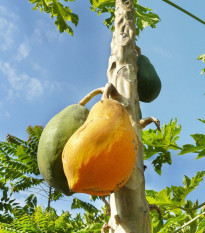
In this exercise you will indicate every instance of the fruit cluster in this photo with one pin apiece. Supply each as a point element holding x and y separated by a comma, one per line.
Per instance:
<point>94,152</point>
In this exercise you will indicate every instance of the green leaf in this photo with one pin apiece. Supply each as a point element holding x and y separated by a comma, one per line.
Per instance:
<point>203,121</point>
<point>202,57</point>
<point>77,204</point>
<point>160,142</point>
<point>186,181</point>
<point>175,209</point>
<point>62,13</point>
<point>92,228</point>
<point>201,226</point>
<point>19,171</point>
<point>174,197</point>
<point>199,148</point>
<point>143,16</point>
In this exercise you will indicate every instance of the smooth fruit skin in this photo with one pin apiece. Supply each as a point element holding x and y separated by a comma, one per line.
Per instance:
<point>100,156</point>
<point>52,141</point>
<point>149,84</point>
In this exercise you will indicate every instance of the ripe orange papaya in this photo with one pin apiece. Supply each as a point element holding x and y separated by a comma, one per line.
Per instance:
<point>100,156</point>
<point>52,141</point>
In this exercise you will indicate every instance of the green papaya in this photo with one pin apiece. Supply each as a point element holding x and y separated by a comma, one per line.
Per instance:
<point>52,141</point>
<point>149,84</point>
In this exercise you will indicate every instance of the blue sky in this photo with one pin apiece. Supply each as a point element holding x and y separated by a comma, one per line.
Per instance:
<point>43,71</point>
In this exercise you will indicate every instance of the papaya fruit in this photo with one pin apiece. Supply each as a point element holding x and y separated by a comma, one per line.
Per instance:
<point>149,83</point>
<point>100,156</point>
<point>52,141</point>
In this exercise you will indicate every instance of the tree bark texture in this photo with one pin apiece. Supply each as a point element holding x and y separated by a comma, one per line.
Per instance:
<point>129,208</point>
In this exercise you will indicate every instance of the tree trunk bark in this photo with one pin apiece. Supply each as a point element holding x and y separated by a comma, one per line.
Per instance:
<point>129,208</point>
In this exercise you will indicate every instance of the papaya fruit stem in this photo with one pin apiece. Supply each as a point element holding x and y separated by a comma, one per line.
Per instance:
<point>107,205</point>
<point>155,207</point>
<point>138,49</point>
<point>110,91</point>
<point>146,121</point>
<point>105,227</point>
<point>90,95</point>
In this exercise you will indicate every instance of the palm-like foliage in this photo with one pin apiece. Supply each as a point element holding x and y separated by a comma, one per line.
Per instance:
<point>19,171</point>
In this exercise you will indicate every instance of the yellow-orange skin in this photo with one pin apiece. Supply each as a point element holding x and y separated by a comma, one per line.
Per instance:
<point>100,156</point>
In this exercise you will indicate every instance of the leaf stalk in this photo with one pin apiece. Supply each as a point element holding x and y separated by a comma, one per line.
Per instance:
<point>190,222</point>
<point>184,11</point>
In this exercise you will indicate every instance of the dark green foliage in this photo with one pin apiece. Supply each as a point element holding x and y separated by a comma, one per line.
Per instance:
<point>19,172</point>
<point>77,204</point>
<point>149,84</point>
<point>18,169</point>
<point>43,221</point>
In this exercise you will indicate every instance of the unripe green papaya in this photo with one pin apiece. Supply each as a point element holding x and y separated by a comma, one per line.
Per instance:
<point>149,84</point>
<point>52,141</point>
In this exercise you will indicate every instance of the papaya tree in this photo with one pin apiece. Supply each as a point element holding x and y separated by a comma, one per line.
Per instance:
<point>129,206</point>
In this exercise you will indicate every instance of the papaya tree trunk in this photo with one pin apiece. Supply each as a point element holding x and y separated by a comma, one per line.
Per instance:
<point>129,208</point>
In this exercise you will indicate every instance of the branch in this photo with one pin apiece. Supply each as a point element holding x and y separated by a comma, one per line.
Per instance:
<point>184,11</point>
<point>105,227</point>
<point>142,123</point>
<point>194,208</point>
<point>190,222</point>
<point>107,205</point>
<point>111,91</point>
<point>199,206</point>
<point>172,207</point>
<point>155,207</point>
<point>138,50</point>
<point>92,94</point>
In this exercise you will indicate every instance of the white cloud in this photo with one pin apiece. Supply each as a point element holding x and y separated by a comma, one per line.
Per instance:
<point>53,86</point>
<point>6,31</point>
<point>5,12</point>
<point>7,28</point>
<point>4,113</point>
<point>21,84</point>
<point>18,83</point>
<point>41,70</point>
<point>7,114</point>
<point>163,52</point>
<point>40,35</point>
<point>34,88</point>
<point>23,50</point>
<point>37,37</point>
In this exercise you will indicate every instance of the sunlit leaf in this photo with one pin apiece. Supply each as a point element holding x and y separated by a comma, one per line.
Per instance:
<point>160,143</point>
<point>56,9</point>
<point>202,57</point>
<point>79,204</point>
<point>198,148</point>
<point>143,16</point>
